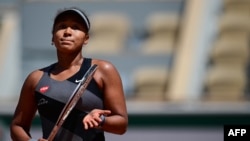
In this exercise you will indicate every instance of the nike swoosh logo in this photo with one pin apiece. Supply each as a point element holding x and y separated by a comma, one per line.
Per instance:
<point>77,81</point>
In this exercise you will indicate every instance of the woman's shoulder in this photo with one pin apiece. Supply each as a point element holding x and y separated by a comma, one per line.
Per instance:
<point>103,64</point>
<point>36,75</point>
<point>106,69</point>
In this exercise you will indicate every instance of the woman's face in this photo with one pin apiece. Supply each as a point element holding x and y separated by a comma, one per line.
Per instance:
<point>69,33</point>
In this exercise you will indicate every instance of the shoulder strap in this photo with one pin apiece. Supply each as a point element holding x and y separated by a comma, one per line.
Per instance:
<point>85,65</point>
<point>48,68</point>
<point>84,68</point>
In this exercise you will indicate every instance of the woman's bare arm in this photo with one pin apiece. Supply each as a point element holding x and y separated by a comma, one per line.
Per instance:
<point>25,110</point>
<point>109,80</point>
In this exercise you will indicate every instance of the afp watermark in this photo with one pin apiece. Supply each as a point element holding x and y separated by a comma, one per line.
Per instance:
<point>236,132</point>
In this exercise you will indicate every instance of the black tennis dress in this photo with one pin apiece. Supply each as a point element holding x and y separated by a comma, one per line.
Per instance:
<point>51,96</point>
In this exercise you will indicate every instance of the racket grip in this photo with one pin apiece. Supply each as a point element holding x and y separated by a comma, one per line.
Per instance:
<point>53,133</point>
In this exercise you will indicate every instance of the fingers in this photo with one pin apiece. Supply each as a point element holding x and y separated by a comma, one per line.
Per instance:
<point>93,120</point>
<point>91,123</point>
<point>106,112</point>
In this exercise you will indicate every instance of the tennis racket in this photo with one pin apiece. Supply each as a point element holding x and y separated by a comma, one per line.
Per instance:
<point>75,96</point>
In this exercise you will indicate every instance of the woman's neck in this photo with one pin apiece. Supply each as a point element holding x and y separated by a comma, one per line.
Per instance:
<point>67,61</point>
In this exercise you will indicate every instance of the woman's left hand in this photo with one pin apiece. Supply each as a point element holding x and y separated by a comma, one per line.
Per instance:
<point>93,120</point>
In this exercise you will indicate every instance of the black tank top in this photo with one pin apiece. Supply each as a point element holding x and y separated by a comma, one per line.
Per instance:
<point>51,96</point>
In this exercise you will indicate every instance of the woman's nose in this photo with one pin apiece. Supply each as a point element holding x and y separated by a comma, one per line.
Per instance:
<point>67,31</point>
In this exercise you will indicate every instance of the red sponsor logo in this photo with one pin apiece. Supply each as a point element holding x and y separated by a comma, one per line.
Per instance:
<point>44,89</point>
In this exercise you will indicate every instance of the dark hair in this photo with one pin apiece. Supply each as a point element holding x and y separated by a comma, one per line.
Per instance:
<point>72,10</point>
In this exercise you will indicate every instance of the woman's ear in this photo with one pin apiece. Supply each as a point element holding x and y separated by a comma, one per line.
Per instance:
<point>86,39</point>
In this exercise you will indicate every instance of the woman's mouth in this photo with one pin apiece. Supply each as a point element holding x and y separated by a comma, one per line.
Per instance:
<point>65,41</point>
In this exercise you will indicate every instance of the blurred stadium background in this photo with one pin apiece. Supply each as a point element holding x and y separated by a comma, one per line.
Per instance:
<point>184,63</point>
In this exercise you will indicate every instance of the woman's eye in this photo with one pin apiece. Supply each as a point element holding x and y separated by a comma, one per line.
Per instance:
<point>61,26</point>
<point>65,26</point>
<point>75,27</point>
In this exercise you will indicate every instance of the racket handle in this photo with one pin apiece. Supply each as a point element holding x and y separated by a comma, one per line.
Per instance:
<point>53,133</point>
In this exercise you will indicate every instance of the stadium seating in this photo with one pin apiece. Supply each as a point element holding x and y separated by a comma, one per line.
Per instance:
<point>161,28</point>
<point>227,78</point>
<point>109,33</point>
<point>150,83</point>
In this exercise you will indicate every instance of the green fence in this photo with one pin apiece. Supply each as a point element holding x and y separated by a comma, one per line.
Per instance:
<point>166,120</point>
